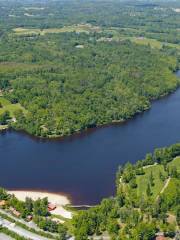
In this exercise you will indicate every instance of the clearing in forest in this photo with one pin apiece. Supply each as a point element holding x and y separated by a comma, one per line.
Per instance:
<point>143,180</point>
<point>10,107</point>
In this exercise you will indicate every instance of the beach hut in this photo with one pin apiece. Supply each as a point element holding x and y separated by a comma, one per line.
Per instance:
<point>51,207</point>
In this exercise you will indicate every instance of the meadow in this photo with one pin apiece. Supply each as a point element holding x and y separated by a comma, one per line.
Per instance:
<point>143,180</point>
<point>11,108</point>
<point>153,42</point>
<point>77,28</point>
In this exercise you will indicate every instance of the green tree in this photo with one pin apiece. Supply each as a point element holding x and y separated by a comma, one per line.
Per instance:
<point>148,190</point>
<point>113,226</point>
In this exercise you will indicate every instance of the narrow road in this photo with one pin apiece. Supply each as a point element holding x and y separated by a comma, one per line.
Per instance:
<point>20,231</point>
<point>30,224</point>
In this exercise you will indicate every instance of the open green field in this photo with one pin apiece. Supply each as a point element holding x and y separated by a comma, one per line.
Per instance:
<point>176,162</point>
<point>4,102</point>
<point>26,30</point>
<point>143,180</point>
<point>33,8</point>
<point>67,223</point>
<point>153,42</point>
<point>78,28</point>
<point>11,108</point>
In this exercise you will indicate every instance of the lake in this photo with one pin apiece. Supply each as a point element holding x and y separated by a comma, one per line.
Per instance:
<point>83,166</point>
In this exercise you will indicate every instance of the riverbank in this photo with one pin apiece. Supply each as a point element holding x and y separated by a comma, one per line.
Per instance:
<point>58,200</point>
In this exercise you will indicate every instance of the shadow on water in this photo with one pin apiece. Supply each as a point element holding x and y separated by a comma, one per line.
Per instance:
<point>83,166</point>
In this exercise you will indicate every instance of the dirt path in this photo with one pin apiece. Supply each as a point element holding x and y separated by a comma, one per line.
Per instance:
<point>165,186</point>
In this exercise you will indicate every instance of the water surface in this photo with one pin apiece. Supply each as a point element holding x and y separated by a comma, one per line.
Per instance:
<point>84,165</point>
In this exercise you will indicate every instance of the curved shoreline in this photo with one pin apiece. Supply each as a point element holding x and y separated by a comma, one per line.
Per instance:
<point>92,128</point>
<point>58,199</point>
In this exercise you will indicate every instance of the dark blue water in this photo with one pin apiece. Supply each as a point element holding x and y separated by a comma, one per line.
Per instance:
<point>84,166</point>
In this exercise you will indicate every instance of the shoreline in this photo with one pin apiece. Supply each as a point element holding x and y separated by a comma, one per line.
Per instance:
<point>59,199</point>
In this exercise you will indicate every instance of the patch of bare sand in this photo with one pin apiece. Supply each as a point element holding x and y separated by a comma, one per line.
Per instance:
<point>56,199</point>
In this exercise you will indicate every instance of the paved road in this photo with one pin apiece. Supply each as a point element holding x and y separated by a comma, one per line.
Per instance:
<point>30,224</point>
<point>27,234</point>
<point>20,231</point>
<point>5,237</point>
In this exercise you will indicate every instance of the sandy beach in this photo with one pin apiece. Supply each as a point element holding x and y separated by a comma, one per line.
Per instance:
<point>56,199</point>
<point>53,198</point>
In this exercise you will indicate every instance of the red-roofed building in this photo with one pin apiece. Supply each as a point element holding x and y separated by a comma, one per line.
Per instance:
<point>161,238</point>
<point>51,207</point>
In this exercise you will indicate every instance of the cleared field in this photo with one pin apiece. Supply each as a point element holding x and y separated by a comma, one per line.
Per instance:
<point>143,180</point>
<point>110,31</point>
<point>176,162</point>
<point>26,30</point>
<point>78,28</point>
<point>4,102</point>
<point>153,42</point>
<point>33,8</point>
<point>29,15</point>
<point>11,108</point>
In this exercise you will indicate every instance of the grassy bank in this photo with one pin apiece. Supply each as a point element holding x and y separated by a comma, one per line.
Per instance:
<point>143,180</point>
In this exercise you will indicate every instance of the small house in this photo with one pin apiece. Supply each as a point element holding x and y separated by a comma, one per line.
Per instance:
<point>29,217</point>
<point>51,207</point>
<point>139,37</point>
<point>11,209</point>
<point>0,91</point>
<point>2,203</point>
<point>16,213</point>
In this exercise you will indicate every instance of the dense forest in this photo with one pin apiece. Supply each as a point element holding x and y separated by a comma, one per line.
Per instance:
<point>72,81</point>
<point>68,89</point>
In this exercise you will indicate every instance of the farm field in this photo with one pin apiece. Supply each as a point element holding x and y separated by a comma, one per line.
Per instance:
<point>152,42</point>
<point>79,28</point>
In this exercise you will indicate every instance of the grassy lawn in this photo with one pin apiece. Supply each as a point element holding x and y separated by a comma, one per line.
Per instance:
<point>67,223</point>
<point>153,42</point>
<point>4,102</point>
<point>176,162</point>
<point>11,108</point>
<point>143,180</point>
